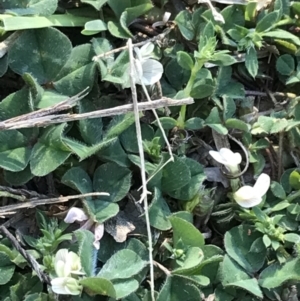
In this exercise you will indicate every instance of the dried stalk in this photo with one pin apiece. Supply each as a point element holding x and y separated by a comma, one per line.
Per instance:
<point>34,203</point>
<point>37,121</point>
<point>142,159</point>
<point>30,259</point>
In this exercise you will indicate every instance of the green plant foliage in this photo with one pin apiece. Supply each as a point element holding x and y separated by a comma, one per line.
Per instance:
<point>219,229</point>
<point>54,46</point>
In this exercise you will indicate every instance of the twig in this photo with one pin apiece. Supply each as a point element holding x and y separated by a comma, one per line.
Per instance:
<point>280,151</point>
<point>161,267</point>
<point>8,42</point>
<point>264,94</point>
<point>30,259</point>
<point>53,119</point>
<point>142,159</point>
<point>24,192</point>
<point>61,106</point>
<point>156,38</point>
<point>34,203</point>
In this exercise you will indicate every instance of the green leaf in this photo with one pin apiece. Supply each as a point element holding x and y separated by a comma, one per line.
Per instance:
<point>83,151</point>
<point>179,288</point>
<point>90,129</point>
<point>93,27</point>
<point>229,107</point>
<point>14,150</point>
<point>30,7</point>
<point>285,64</point>
<point>159,212</point>
<point>237,124</point>
<point>185,233</point>
<point>292,237</point>
<point>99,286</point>
<point>192,258</point>
<point>49,152</point>
<point>276,274</point>
<point>86,251</point>
<point>222,59</point>
<point>101,211</point>
<point>185,60</point>
<point>78,72</point>
<point>187,192</point>
<point>278,190</point>
<point>294,179</point>
<point>118,125</point>
<point>18,178</point>
<point>235,277</point>
<point>202,89</point>
<point>51,49</point>
<point>185,24</point>
<point>267,22</point>
<point>114,179</point>
<point>213,121</point>
<point>175,175</point>
<point>114,152</point>
<point>125,287</point>
<point>238,243</point>
<point>122,265</point>
<point>251,61</point>
<point>167,123</point>
<point>282,34</point>
<point>7,269</point>
<point>78,179</point>
<point>3,65</point>
<point>194,123</point>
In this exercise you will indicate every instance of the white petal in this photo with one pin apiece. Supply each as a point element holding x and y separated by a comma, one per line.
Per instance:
<point>152,72</point>
<point>217,156</point>
<point>61,266</point>
<point>146,50</point>
<point>58,286</point>
<point>262,184</point>
<point>166,17</point>
<point>247,197</point>
<point>75,214</point>
<point>231,157</point>
<point>99,231</point>
<point>96,244</point>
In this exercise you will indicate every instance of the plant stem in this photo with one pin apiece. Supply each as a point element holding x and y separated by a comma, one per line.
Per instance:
<point>187,91</point>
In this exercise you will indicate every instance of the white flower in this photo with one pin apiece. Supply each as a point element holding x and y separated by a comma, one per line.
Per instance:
<point>228,158</point>
<point>77,214</point>
<point>66,263</point>
<point>148,71</point>
<point>65,286</point>
<point>248,196</point>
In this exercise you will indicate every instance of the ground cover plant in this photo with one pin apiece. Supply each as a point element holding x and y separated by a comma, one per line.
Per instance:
<point>149,150</point>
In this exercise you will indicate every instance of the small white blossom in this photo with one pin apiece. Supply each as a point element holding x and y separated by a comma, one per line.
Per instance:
<point>248,196</point>
<point>77,214</point>
<point>65,286</point>
<point>228,158</point>
<point>148,71</point>
<point>65,264</point>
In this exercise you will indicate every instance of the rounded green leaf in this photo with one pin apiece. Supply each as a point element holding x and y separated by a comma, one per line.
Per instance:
<point>40,52</point>
<point>294,180</point>
<point>285,64</point>
<point>185,60</point>
<point>6,268</point>
<point>122,265</point>
<point>186,233</point>
<point>114,179</point>
<point>99,286</point>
